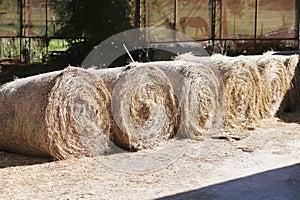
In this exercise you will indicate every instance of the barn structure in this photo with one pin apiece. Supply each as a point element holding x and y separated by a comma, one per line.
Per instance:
<point>243,24</point>
<point>239,27</point>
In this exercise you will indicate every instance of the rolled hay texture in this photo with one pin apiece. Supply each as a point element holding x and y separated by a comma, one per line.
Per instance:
<point>198,89</point>
<point>291,102</point>
<point>144,107</point>
<point>242,89</point>
<point>62,114</point>
<point>277,73</point>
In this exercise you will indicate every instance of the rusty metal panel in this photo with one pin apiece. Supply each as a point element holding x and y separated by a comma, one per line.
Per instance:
<point>244,19</point>
<point>9,18</point>
<point>27,18</point>
<point>34,18</point>
<point>190,17</point>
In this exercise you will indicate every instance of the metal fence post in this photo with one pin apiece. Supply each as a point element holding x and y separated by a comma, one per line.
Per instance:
<point>255,20</point>
<point>137,14</point>
<point>20,4</point>
<point>297,23</point>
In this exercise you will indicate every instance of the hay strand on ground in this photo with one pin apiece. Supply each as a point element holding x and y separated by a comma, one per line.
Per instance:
<point>62,114</point>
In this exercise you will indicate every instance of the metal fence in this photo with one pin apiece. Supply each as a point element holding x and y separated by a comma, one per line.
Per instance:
<point>26,27</point>
<point>264,22</point>
<point>27,18</point>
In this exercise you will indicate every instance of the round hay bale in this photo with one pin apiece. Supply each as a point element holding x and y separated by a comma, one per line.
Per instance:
<point>291,63</point>
<point>199,92</point>
<point>277,72</point>
<point>265,89</point>
<point>189,57</point>
<point>283,70</point>
<point>291,101</point>
<point>62,114</point>
<point>144,107</point>
<point>243,89</point>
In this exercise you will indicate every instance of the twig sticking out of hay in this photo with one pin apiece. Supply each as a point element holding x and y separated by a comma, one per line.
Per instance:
<point>61,114</point>
<point>199,91</point>
<point>143,105</point>
<point>277,72</point>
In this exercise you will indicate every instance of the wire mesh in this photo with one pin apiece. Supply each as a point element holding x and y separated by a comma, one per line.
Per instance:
<point>244,19</point>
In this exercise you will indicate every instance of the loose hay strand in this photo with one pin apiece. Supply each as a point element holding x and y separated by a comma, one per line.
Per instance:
<point>61,114</point>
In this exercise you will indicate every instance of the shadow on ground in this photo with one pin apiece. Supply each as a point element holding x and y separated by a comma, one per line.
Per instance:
<point>13,160</point>
<point>277,184</point>
<point>10,71</point>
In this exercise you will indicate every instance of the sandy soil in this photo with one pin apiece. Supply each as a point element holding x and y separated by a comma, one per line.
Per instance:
<point>233,167</point>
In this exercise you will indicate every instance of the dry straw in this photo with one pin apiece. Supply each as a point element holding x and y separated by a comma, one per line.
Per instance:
<point>242,88</point>
<point>198,89</point>
<point>62,114</point>
<point>143,105</point>
<point>277,73</point>
<point>292,98</point>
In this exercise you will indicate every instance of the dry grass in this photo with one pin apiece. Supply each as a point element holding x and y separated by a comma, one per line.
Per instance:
<point>243,90</point>
<point>62,114</point>
<point>277,73</point>
<point>281,82</point>
<point>143,106</point>
<point>199,90</point>
<point>255,86</point>
<point>291,100</point>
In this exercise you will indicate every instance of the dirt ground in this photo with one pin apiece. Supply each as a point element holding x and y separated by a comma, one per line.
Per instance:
<point>260,164</point>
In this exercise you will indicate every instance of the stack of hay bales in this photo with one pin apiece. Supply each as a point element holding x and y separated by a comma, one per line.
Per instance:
<point>62,114</point>
<point>144,108</point>
<point>278,75</point>
<point>254,85</point>
<point>76,112</point>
